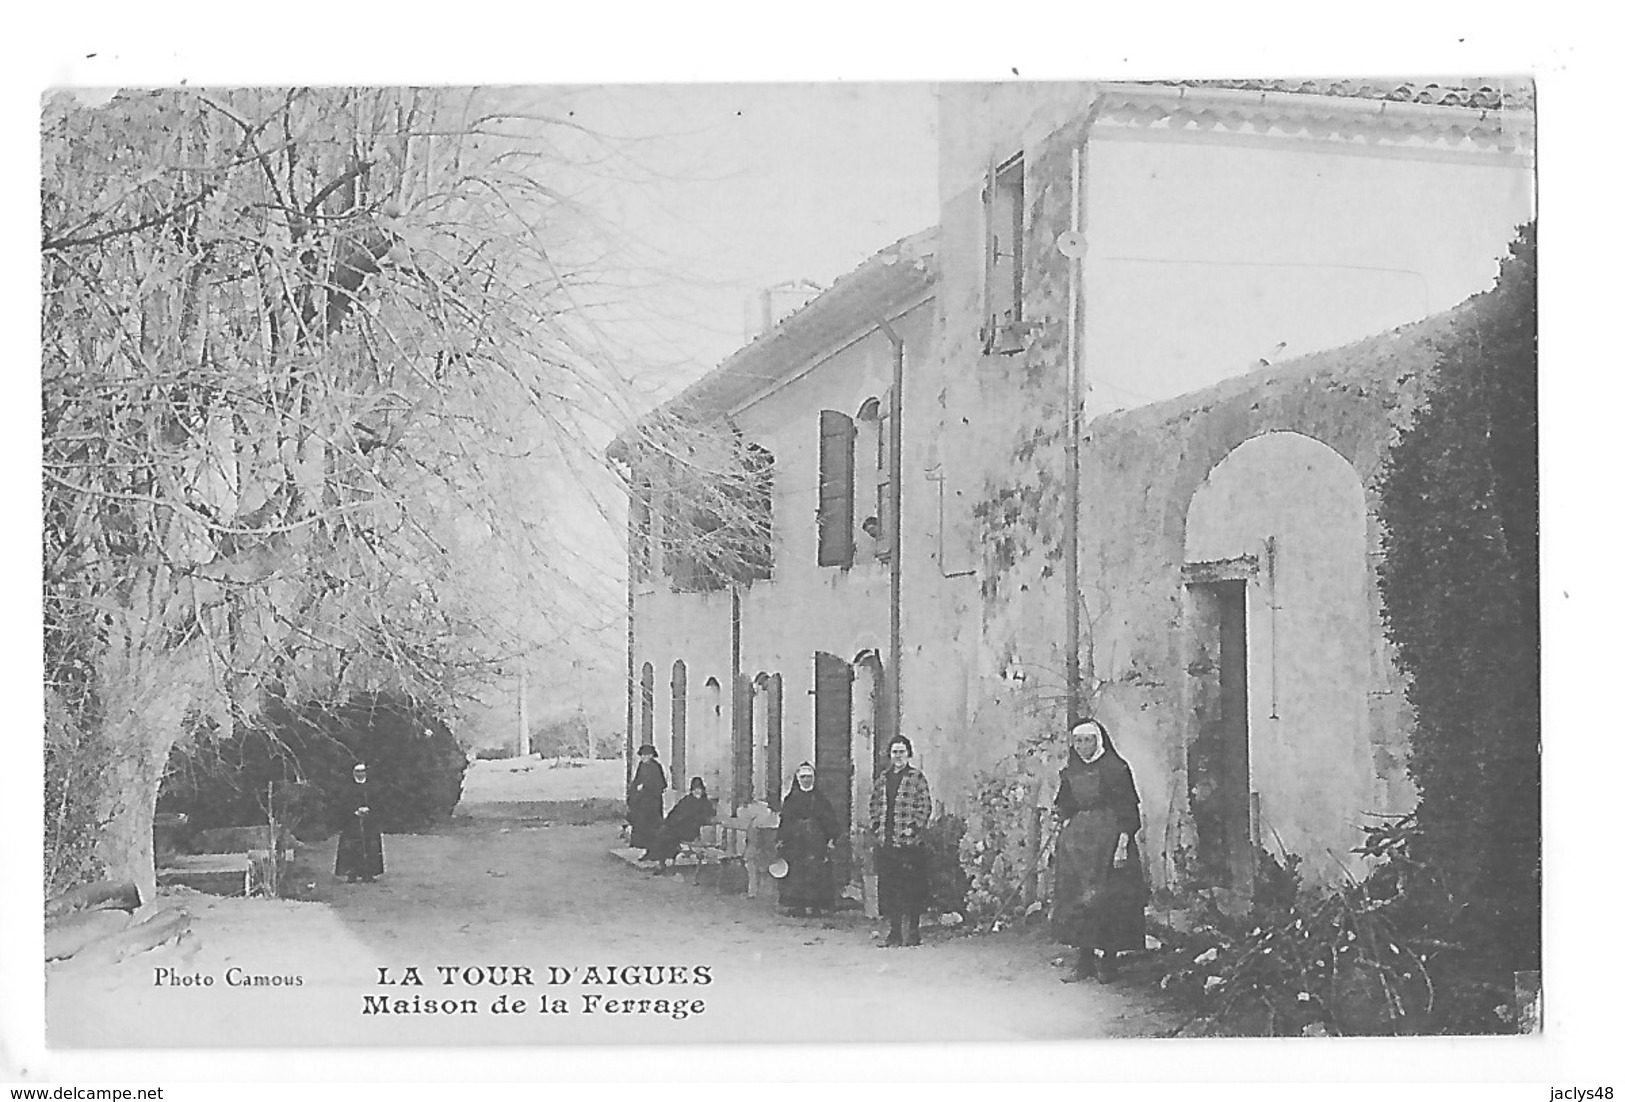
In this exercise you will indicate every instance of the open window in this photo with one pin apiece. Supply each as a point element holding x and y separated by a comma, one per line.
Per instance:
<point>870,483</point>
<point>1004,223</point>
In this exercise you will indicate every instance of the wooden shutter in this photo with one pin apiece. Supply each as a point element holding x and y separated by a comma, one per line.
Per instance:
<point>679,725</point>
<point>743,733</point>
<point>832,731</point>
<point>835,442</point>
<point>775,741</point>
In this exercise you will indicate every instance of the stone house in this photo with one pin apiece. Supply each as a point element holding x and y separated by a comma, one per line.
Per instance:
<point>1191,289</point>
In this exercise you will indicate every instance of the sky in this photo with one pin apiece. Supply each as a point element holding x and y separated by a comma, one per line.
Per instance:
<point>729,189</point>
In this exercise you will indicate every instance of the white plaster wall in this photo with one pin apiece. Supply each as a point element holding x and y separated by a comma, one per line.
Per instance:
<point>1207,253</point>
<point>805,607</point>
<point>1309,666</point>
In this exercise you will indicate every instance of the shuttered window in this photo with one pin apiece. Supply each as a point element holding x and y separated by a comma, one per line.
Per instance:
<point>679,724</point>
<point>744,735</point>
<point>775,740</point>
<point>832,731</point>
<point>835,442</point>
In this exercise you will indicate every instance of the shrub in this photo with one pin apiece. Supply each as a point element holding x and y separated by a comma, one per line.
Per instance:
<point>946,877</point>
<point>1376,957</point>
<point>1460,587</point>
<point>561,738</point>
<point>993,848</point>
<point>608,744</point>
<point>302,758</point>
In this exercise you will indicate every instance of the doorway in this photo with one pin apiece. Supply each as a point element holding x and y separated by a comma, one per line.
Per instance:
<point>832,746</point>
<point>1218,765</point>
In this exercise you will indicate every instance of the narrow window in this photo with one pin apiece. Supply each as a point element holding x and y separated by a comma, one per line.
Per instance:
<point>870,487</point>
<point>1004,202</point>
<point>679,724</point>
<point>646,708</point>
<point>744,767</point>
<point>835,442</point>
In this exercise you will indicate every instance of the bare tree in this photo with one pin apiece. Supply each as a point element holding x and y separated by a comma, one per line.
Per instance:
<point>701,500</point>
<point>305,353</point>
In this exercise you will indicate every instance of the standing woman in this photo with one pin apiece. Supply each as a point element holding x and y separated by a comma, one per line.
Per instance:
<point>1100,887</point>
<point>361,847</point>
<point>645,804</point>
<point>808,826</point>
<point>899,808</point>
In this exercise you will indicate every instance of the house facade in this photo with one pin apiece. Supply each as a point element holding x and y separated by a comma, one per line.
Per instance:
<point>1127,402</point>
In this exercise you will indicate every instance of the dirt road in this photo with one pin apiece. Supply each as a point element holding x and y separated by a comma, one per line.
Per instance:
<point>489,893</point>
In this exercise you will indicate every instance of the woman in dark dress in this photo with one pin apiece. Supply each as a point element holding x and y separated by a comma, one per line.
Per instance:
<point>644,798</point>
<point>808,827</point>
<point>1100,886</point>
<point>899,808</point>
<point>682,823</point>
<point>361,847</point>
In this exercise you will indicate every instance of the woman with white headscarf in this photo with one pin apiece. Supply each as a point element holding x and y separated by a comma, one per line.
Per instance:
<point>808,828</point>
<point>1100,888</point>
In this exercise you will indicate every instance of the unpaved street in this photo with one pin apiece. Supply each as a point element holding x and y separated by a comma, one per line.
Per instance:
<point>489,890</point>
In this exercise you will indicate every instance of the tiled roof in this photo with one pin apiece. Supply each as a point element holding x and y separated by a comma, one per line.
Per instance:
<point>1479,94</point>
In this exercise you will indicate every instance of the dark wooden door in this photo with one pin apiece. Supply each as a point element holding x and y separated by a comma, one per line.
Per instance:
<point>775,740</point>
<point>743,737</point>
<point>1219,770</point>
<point>679,726</point>
<point>832,744</point>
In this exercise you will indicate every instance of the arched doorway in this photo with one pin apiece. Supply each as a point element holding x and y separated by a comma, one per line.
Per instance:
<point>1278,751</point>
<point>767,722</point>
<point>710,755</point>
<point>869,731</point>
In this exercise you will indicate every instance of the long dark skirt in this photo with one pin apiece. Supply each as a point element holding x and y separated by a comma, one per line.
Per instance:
<point>1097,906</point>
<point>904,889</point>
<point>361,849</point>
<point>811,879</point>
<point>644,813</point>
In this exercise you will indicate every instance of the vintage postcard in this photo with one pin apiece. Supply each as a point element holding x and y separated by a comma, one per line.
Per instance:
<point>693,564</point>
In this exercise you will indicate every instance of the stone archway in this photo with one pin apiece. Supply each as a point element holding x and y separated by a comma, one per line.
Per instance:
<point>1279,657</point>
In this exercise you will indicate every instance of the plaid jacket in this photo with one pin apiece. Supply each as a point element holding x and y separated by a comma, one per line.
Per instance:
<point>910,813</point>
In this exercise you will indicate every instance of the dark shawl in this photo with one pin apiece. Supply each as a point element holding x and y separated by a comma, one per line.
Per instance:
<point>361,846</point>
<point>807,827</point>
<point>644,802</point>
<point>1097,905</point>
<point>682,824</point>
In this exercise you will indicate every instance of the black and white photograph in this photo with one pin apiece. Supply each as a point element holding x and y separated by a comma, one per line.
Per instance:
<point>659,564</point>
